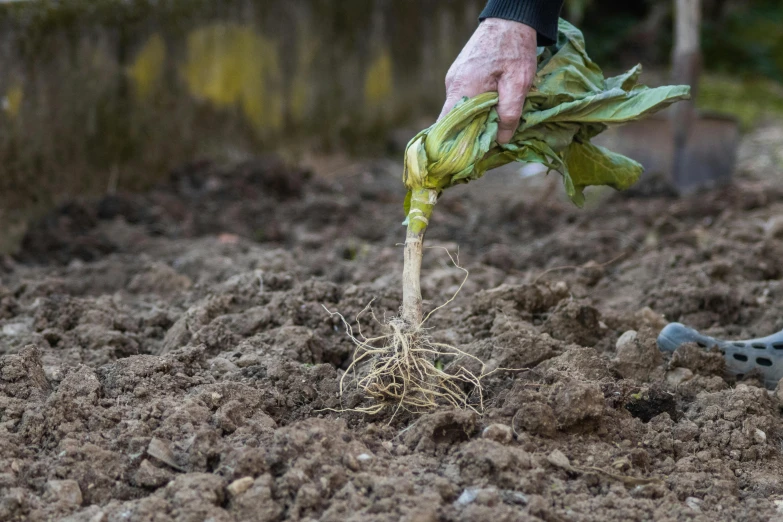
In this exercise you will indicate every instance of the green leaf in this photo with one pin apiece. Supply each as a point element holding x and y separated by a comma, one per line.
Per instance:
<point>626,81</point>
<point>610,107</point>
<point>407,203</point>
<point>589,164</point>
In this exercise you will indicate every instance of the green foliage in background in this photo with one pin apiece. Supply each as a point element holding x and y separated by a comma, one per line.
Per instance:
<point>571,102</point>
<point>750,100</point>
<point>743,37</point>
<point>576,10</point>
<point>746,40</point>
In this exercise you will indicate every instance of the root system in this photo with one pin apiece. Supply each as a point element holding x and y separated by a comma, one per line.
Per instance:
<point>406,367</point>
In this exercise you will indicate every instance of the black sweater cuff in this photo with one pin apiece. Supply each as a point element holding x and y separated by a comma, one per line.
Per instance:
<point>541,15</point>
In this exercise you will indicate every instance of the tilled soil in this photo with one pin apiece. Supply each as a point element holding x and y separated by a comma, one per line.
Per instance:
<point>168,356</point>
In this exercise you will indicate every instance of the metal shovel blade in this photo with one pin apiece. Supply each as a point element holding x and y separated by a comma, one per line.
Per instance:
<point>709,156</point>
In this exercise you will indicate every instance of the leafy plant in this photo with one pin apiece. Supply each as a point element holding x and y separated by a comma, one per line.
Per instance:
<point>570,103</point>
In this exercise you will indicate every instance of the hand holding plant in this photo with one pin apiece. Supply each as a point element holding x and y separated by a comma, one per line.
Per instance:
<point>569,103</point>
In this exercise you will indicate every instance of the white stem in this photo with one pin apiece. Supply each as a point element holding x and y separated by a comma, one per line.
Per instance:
<point>421,203</point>
<point>412,310</point>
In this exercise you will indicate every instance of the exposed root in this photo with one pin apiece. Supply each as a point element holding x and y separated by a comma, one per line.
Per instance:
<point>405,371</point>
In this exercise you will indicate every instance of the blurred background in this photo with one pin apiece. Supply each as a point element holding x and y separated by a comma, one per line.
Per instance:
<point>99,96</point>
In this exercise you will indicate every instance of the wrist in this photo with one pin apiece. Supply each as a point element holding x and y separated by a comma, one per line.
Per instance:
<point>541,15</point>
<point>508,25</point>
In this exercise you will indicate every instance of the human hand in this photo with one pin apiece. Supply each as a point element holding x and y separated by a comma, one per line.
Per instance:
<point>500,56</point>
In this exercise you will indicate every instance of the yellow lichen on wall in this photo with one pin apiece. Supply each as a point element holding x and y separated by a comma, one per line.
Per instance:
<point>378,80</point>
<point>230,65</point>
<point>12,101</point>
<point>147,69</point>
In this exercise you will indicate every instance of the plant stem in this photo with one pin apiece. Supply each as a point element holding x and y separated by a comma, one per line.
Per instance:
<point>422,202</point>
<point>411,273</point>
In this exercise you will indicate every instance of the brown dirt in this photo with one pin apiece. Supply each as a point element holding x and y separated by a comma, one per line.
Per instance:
<point>167,356</point>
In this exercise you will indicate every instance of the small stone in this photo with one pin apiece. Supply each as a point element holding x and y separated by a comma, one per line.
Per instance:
<point>484,496</point>
<point>53,373</point>
<point>239,486</point>
<point>364,457</point>
<point>773,228</point>
<point>558,459</point>
<point>351,462</point>
<point>150,476</point>
<point>678,376</point>
<point>759,436</point>
<point>15,329</point>
<point>99,516</point>
<point>220,366</point>
<point>257,503</point>
<point>499,433</point>
<point>467,497</point>
<point>67,493</point>
<point>161,450</point>
<point>693,503</point>
<point>627,338</point>
<point>514,497</point>
<point>387,445</point>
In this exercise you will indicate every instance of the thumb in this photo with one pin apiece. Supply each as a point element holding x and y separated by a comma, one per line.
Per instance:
<point>511,98</point>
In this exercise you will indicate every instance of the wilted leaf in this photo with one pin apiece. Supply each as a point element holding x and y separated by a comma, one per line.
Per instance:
<point>570,103</point>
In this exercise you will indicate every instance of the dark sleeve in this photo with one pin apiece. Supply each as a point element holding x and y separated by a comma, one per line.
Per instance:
<point>541,15</point>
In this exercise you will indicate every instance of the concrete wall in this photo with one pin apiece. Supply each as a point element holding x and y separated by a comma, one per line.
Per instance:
<point>100,93</point>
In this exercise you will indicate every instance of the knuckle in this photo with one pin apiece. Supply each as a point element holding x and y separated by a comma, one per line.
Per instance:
<point>517,75</point>
<point>508,123</point>
<point>508,115</point>
<point>454,83</point>
<point>451,76</point>
<point>521,82</point>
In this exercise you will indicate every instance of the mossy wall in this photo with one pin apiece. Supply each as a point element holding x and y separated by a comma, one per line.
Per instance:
<point>104,93</point>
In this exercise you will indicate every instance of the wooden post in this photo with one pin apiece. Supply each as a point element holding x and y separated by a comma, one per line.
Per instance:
<point>686,68</point>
